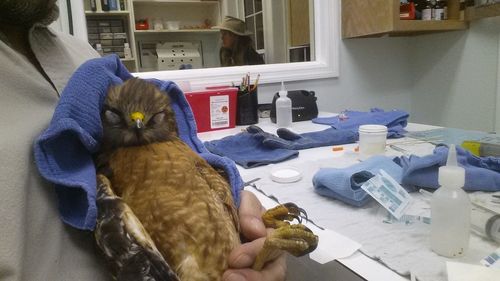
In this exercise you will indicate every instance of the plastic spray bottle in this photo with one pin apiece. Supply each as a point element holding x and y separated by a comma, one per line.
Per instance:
<point>450,210</point>
<point>283,108</point>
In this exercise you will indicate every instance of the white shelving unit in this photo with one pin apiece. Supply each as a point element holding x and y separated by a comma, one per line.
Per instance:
<point>126,16</point>
<point>179,31</point>
<point>194,19</point>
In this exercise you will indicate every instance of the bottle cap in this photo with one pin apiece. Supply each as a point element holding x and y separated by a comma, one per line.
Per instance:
<point>285,174</point>
<point>451,174</point>
<point>373,128</point>
<point>282,92</point>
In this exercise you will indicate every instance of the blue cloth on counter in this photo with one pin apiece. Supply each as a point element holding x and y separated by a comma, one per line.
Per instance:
<point>481,173</point>
<point>345,184</point>
<point>290,140</point>
<point>247,149</point>
<point>63,152</point>
<point>395,120</point>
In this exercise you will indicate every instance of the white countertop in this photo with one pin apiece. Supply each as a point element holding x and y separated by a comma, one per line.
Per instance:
<point>362,265</point>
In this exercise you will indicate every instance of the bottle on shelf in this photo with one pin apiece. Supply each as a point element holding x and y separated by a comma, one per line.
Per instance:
<point>283,108</point>
<point>126,51</point>
<point>98,48</point>
<point>462,10</point>
<point>450,210</point>
<point>440,11</point>
<point>105,5</point>
<point>93,5</point>
<point>427,8</point>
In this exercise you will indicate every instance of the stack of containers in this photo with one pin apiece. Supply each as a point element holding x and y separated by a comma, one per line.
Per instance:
<point>109,32</point>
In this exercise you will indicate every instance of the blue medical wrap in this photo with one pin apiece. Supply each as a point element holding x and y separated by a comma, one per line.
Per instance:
<point>63,152</point>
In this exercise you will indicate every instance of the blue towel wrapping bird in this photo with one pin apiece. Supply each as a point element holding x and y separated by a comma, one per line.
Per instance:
<point>63,152</point>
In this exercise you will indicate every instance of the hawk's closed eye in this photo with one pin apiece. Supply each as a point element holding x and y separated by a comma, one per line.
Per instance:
<point>157,118</point>
<point>112,118</point>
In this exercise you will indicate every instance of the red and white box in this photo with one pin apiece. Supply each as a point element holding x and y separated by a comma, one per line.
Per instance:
<point>213,108</point>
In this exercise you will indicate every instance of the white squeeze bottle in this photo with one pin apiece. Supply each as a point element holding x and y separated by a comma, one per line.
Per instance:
<point>126,51</point>
<point>98,48</point>
<point>450,210</point>
<point>283,108</point>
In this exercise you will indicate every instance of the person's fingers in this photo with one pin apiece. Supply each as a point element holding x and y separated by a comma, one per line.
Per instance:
<point>245,254</point>
<point>273,271</point>
<point>250,215</point>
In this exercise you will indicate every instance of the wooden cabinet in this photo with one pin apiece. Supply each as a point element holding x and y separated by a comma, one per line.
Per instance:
<point>299,23</point>
<point>372,18</point>
<point>480,12</point>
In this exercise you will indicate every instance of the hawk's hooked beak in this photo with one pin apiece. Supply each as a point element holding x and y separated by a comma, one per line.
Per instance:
<point>138,118</point>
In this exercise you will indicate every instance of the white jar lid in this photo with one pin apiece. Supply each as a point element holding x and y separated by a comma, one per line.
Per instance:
<point>285,174</point>
<point>372,129</point>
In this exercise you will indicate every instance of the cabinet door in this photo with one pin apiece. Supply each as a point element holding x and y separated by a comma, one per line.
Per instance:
<point>299,22</point>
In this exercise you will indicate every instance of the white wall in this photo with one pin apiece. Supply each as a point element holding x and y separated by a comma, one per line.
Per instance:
<point>447,79</point>
<point>455,77</point>
<point>373,73</point>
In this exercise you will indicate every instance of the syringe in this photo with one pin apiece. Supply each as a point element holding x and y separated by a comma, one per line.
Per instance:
<point>485,222</point>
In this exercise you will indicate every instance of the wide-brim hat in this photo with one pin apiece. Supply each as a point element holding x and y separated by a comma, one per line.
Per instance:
<point>234,25</point>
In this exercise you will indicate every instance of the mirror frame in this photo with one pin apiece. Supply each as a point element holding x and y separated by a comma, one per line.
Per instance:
<point>326,44</point>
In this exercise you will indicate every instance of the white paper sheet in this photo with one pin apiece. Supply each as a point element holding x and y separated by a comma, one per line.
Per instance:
<point>332,246</point>
<point>467,272</point>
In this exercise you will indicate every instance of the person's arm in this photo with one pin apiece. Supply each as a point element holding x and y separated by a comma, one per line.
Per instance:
<point>242,258</point>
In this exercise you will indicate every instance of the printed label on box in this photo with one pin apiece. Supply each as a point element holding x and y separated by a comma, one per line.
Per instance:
<point>219,112</point>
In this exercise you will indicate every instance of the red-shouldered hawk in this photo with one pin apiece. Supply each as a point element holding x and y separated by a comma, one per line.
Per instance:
<point>184,204</point>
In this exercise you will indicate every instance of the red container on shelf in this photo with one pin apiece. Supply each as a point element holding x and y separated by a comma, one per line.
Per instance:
<point>407,11</point>
<point>141,25</point>
<point>213,109</point>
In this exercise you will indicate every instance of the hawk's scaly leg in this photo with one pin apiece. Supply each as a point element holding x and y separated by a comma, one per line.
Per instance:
<point>296,239</point>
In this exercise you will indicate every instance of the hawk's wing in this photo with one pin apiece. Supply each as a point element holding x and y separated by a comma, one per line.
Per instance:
<point>124,241</point>
<point>218,182</point>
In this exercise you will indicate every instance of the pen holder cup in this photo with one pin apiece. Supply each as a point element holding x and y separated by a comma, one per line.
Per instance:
<point>247,107</point>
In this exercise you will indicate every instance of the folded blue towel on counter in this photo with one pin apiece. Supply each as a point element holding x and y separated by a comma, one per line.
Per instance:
<point>63,152</point>
<point>247,149</point>
<point>289,140</point>
<point>395,120</point>
<point>345,184</point>
<point>481,173</point>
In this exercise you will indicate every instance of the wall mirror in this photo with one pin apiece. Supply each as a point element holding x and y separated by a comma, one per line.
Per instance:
<point>324,54</point>
<point>320,60</point>
<point>175,33</point>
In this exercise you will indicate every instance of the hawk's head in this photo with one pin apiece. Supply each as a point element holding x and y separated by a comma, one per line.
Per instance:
<point>137,113</point>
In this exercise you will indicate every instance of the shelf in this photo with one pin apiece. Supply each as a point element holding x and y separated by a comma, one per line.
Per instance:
<point>428,25</point>
<point>127,60</point>
<point>107,13</point>
<point>480,12</point>
<point>375,18</point>
<point>179,31</point>
<point>176,1</point>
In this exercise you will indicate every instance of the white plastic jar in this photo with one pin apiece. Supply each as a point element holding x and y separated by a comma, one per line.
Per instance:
<point>372,140</point>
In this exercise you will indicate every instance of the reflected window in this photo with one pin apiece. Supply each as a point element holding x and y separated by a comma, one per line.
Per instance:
<point>254,23</point>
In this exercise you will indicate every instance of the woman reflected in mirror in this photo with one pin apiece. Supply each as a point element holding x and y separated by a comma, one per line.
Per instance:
<point>237,48</point>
